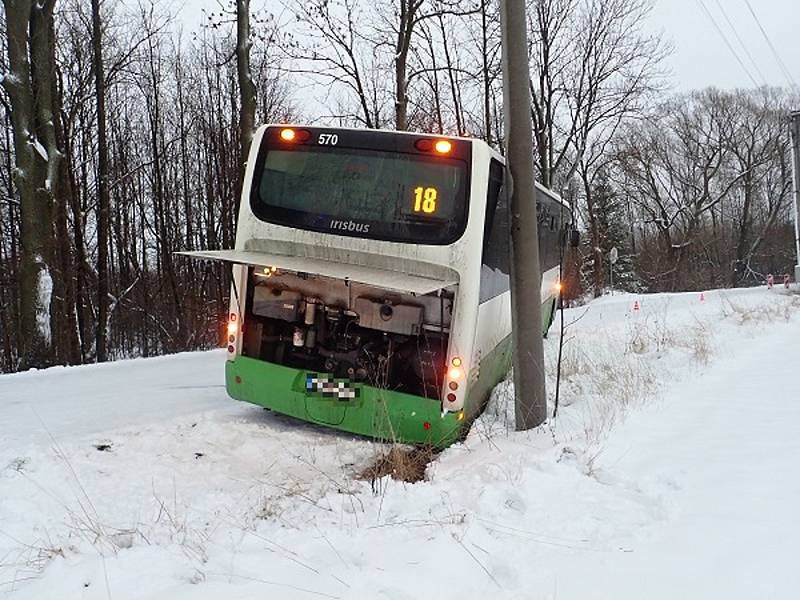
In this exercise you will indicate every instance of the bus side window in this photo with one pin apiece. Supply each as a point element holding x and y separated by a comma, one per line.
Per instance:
<point>496,237</point>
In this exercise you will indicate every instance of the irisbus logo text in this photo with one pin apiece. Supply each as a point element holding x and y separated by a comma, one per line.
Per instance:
<point>351,226</point>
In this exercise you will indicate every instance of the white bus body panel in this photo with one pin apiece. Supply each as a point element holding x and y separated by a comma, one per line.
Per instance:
<point>252,234</point>
<point>418,268</point>
<point>390,280</point>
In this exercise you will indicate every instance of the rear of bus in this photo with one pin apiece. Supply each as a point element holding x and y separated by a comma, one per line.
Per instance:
<point>358,258</point>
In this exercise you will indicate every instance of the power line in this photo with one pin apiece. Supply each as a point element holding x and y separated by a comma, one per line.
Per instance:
<point>725,39</point>
<point>781,64</point>
<point>741,43</point>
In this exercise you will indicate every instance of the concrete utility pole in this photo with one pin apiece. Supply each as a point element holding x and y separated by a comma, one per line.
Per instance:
<point>795,130</point>
<point>526,301</point>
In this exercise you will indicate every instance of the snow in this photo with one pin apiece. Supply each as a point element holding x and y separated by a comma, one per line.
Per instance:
<point>8,78</point>
<point>37,145</point>
<point>670,472</point>
<point>44,294</point>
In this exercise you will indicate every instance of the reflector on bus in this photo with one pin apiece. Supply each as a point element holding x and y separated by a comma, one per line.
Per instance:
<point>384,278</point>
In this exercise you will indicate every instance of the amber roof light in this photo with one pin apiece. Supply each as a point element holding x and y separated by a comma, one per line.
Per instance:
<point>443,147</point>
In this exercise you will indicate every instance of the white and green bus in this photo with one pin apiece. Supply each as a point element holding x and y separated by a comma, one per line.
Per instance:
<point>371,279</point>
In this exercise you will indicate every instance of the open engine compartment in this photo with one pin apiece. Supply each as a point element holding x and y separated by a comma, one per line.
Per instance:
<point>383,338</point>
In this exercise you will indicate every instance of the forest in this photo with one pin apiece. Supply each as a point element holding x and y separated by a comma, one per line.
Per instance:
<point>124,137</point>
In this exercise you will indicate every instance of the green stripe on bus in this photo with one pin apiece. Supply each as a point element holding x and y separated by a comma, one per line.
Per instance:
<point>377,413</point>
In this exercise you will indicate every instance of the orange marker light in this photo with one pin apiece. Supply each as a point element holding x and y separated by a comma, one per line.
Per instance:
<point>559,286</point>
<point>455,373</point>
<point>287,135</point>
<point>443,146</point>
<point>232,328</point>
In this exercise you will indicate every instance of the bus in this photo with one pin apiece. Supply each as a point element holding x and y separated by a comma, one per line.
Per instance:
<point>371,275</point>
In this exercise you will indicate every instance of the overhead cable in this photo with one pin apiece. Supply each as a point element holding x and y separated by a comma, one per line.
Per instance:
<point>741,43</point>
<point>727,43</point>
<point>781,64</point>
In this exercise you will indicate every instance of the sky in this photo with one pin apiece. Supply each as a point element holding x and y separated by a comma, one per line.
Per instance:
<point>701,57</point>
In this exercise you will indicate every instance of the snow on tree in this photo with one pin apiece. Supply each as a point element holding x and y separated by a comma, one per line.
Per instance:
<point>30,88</point>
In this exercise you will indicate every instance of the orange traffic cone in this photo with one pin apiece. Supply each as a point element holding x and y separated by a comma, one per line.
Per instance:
<point>636,306</point>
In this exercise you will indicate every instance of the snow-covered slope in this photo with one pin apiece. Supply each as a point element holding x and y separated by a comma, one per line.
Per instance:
<point>670,472</point>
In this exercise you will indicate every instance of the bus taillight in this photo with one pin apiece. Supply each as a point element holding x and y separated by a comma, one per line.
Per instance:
<point>233,329</point>
<point>455,374</point>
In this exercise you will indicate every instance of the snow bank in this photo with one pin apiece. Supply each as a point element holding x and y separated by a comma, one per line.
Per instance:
<point>662,477</point>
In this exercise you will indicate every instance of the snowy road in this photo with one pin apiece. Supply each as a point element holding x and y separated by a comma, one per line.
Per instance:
<point>671,472</point>
<point>71,402</point>
<point>729,443</point>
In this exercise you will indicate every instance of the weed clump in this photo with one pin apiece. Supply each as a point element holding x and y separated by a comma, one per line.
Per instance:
<point>401,463</point>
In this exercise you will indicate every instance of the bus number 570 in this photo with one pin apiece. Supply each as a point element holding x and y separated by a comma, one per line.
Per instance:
<point>328,139</point>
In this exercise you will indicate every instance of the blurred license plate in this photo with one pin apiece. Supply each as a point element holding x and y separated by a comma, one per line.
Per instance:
<point>330,387</point>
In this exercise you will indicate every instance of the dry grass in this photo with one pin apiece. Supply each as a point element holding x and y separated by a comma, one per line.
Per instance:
<point>761,314</point>
<point>401,463</point>
<point>26,562</point>
<point>616,373</point>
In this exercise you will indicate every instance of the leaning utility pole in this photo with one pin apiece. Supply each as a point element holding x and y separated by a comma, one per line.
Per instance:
<point>526,302</point>
<point>795,131</point>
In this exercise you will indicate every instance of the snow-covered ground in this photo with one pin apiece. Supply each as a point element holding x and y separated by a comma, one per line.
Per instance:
<point>670,472</point>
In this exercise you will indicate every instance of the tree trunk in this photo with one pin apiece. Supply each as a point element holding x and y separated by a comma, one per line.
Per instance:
<point>102,186</point>
<point>598,272</point>
<point>247,89</point>
<point>408,11</point>
<point>29,86</point>
<point>487,116</point>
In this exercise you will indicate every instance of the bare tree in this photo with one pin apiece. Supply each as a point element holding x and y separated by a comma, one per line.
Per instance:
<point>758,143</point>
<point>247,89</point>
<point>698,175</point>
<point>28,82</point>
<point>102,184</point>
<point>332,49</point>
<point>593,65</point>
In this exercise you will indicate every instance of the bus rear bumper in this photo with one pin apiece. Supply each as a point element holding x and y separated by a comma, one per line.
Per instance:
<point>376,413</point>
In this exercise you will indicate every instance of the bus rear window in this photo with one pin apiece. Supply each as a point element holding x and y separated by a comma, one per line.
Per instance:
<point>376,194</point>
